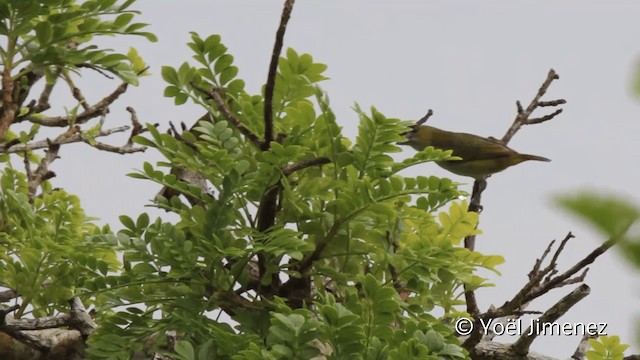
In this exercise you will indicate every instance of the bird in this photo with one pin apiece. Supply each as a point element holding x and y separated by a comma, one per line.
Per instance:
<point>480,157</point>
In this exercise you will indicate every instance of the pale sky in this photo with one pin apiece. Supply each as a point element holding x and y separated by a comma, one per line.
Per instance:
<point>469,61</point>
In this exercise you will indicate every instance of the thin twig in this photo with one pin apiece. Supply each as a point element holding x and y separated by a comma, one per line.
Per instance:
<point>290,169</point>
<point>214,94</point>
<point>42,172</point>
<point>589,259</point>
<point>540,260</point>
<point>271,78</point>
<point>42,144</point>
<point>423,119</point>
<point>523,114</point>
<point>75,91</point>
<point>93,111</point>
<point>137,127</point>
<point>126,149</point>
<point>43,99</point>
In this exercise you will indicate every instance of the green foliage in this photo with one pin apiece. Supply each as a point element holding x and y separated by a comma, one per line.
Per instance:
<point>606,348</point>
<point>612,215</point>
<point>43,34</point>
<point>376,247</point>
<point>49,251</point>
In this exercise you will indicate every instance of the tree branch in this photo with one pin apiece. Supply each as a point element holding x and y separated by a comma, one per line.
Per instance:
<point>479,185</point>
<point>42,172</point>
<point>271,78</point>
<point>90,113</point>
<point>523,114</point>
<point>214,94</point>
<point>290,169</point>
<point>424,119</point>
<point>521,346</point>
<point>541,281</point>
<point>41,144</point>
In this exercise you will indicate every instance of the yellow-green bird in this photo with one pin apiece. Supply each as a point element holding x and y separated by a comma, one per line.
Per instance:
<point>481,156</point>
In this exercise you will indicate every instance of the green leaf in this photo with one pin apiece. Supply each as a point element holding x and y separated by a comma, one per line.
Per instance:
<point>127,222</point>
<point>185,350</point>
<point>44,32</point>
<point>122,20</point>
<point>608,213</point>
<point>223,63</point>
<point>137,63</point>
<point>169,75</point>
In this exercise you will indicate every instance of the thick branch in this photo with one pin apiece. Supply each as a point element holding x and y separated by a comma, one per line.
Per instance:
<point>521,346</point>
<point>271,78</point>
<point>582,347</point>
<point>7,295</point>
<point>9,102</point>
<point>34,333</point>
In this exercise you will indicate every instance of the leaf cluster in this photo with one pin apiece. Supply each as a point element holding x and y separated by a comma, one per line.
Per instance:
<point>59,33</point>
<point>376,248</point>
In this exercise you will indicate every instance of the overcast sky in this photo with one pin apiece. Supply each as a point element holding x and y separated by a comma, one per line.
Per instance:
<point>469,61</point>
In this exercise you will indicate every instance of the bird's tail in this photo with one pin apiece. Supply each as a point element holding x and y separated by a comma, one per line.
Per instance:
<point>533,157</point>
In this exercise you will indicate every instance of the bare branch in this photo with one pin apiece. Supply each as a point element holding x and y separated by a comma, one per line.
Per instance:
<point>137,127</point>
<point>423,119</point>
<point>42,172</point>
<point>521,346</point>
<point>7,295</point>
<point>43,100</point>
<point>46,322</point>
<point>75,91</point>
<point>126,149</point>
<point>41,144</point>
<point>582,348</point>
<point>34,333</point>
<point>80,318</point>
<point>91,113</point>
<point>523,114</point>
<point>271,78</point>
<point>30,339</point>
<point>536,268</point>
<point>476,195</point>
<point>554,260</point>
<point>480,185</point>
<point>560,279</point>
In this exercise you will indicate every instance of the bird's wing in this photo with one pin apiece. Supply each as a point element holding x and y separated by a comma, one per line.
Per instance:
<point>470,150</point>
